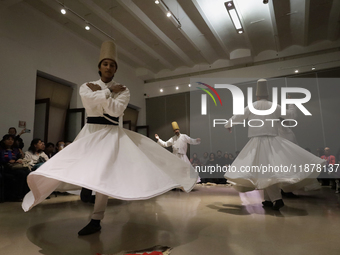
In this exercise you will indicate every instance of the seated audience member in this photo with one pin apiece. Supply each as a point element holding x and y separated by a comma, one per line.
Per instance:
<point>219,158</point>
<point>231,158</point>
<point>35,154</point>
<point>59,146</point>
<point>49,150</point>
<point>15,171</point>
<point>226,161</point>
<point>330,161</point>
<point>324,177</point>
<point>220,161</point>
<point>204,159</point>
<point>211,162</point>
<point>17,140</point>
<point>194,160</point>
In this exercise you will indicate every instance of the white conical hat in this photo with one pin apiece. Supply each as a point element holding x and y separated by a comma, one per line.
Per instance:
<point>174,125</point>
<point>261,88</point>
<point>108,51</point>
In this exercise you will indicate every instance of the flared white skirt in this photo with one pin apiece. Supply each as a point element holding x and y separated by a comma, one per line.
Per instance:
<point>113,161</point>
<point>268,160</point>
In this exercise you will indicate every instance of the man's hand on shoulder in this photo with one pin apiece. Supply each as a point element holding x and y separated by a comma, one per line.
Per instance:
<point>94,87</point>
<point>116,88</point>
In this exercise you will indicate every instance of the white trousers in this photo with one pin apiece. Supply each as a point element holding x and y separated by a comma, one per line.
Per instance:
<point>272,193</point>
<point>99,206</point>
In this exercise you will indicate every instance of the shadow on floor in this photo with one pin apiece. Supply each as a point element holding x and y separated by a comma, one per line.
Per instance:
<point>243,210</point>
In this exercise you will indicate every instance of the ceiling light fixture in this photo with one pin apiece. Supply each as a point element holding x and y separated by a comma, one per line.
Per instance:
<point>169,13</point>
<point>88,25</point>
<point>189,85</point>
<point>313,68</point>
<point>296,71</point>
<point>161,90</point>
<point>177,88</point>
<point>156,2</point>
<point>63,11</point>
<point>234,16</point>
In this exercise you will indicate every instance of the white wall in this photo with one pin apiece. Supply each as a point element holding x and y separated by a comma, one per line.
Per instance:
<point>30,42</point>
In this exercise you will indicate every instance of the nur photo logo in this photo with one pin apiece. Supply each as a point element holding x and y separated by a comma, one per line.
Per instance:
<point>238,105</point>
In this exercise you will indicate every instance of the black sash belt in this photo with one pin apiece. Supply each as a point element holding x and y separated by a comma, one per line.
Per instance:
<point>103,121</point>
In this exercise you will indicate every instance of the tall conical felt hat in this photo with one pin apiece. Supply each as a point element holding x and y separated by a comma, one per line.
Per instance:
<point>174,125</point>
<point>108,51</point>
<point>261,88</point>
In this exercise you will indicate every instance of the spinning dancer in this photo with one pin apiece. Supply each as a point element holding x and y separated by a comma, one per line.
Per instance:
<point>266,149</point>
<point>179,143</point>
<point>107,158</point>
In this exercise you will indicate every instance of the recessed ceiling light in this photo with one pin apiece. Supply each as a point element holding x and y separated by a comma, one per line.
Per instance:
<point>189,85</point>
<point>161,90</point>
<point>313,68</point>
<point>296,71</point>
<point>87,27</point>
<point>156,2</point>
<point>177,87</point>
<point>168,14</point>
<point>63,11</point>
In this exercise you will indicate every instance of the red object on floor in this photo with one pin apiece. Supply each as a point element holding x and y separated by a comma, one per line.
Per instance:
<point>146,253</point>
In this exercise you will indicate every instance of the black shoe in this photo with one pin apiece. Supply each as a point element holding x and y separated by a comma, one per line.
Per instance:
<point>86,195</point>
<point>91,228</point>
<point>267,203</point>
<point>278,204</point>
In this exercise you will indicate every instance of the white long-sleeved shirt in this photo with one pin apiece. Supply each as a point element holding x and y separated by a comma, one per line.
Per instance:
<point>179,143</point>
<point>103,101</point>
<point>269,128</point>
<point>33,158</point>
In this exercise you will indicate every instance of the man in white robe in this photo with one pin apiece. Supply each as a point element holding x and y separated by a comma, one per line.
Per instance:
<point>100,158</point>
<point>179,143</point>
<point>267,148</point>
<point>103,97</point>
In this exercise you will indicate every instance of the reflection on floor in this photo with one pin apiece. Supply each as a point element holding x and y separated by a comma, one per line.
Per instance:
<point>209,220</point>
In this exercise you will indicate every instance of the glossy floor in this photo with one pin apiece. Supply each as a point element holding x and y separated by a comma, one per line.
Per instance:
<point>209,220</point>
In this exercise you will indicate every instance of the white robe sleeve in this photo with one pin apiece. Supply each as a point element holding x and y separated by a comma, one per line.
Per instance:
<point>117,105</point>
<point>189,140</point>
<point>114,106</point>
<point>238,118</point>
<point>168,143</point>
<point>93,97</point>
